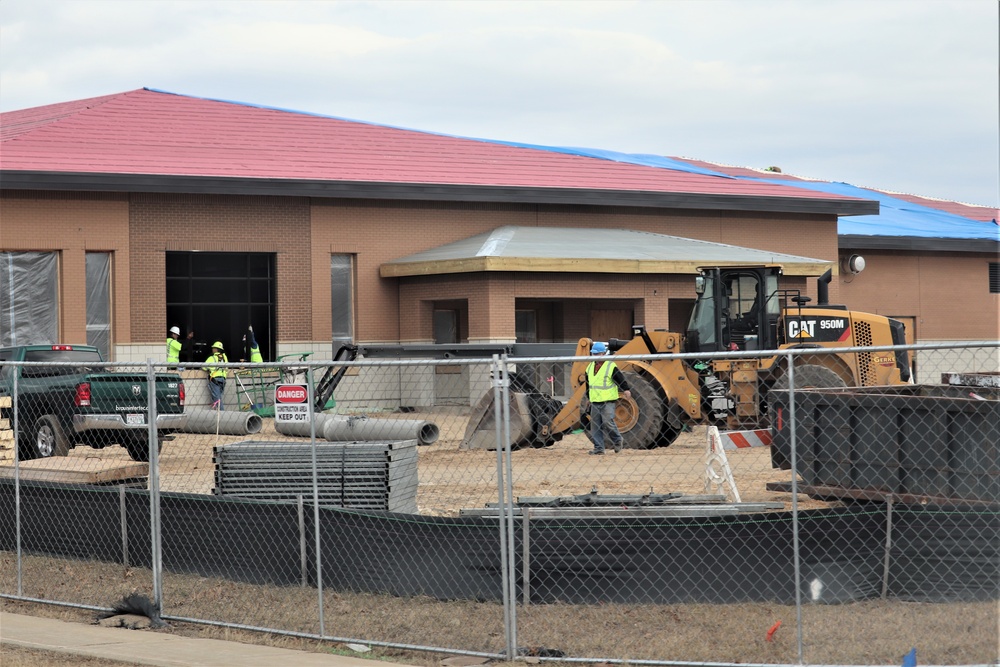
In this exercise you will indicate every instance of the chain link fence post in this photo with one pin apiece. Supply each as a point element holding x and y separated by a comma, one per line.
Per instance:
<point>311,416</point>
<point>155,526</point>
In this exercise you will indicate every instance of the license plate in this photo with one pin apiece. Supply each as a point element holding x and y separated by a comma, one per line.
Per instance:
<point>137,420</point>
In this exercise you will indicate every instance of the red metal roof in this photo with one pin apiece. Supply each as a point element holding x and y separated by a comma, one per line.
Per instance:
<point>154,133</point>
<point>971,211</point>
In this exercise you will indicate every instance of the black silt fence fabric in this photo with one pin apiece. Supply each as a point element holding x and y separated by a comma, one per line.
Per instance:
<point>714,560</point>
<point>407,554</point>
<point>944,554</point>
<point>938,554</point>
<point>73,521</point>
<point>243,541</point>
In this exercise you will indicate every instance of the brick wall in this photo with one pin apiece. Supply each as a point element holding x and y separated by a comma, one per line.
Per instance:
<point>72,225</point>
<point>159,223</point>
<point>947,293</point>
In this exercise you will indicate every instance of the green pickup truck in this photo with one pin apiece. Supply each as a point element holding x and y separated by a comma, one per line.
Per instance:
<point>74,402</point>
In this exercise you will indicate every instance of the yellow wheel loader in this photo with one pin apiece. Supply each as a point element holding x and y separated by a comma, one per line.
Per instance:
<point>739,308</point>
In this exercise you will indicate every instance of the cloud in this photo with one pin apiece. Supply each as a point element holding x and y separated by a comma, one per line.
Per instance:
<point>883,90</point>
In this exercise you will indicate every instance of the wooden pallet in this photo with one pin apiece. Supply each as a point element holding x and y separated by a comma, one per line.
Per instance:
<point>6,432</point>
<point>74,470</point>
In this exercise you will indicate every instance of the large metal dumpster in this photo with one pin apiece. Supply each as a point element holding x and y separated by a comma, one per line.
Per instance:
<point>924,440</point>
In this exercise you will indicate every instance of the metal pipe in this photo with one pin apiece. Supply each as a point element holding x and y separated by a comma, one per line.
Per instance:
<point>303,429</point>
<point>337,428</point>
<point>228,422</point>
<point>340,429</point>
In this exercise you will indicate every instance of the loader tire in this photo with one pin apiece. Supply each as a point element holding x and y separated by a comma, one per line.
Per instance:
<point>808,376</point>
<point>811,376</point>
<point>138,448</point>
<point>640,418</point>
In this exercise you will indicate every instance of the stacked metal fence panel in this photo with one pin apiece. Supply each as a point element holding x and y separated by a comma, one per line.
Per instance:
<point>358,475</point>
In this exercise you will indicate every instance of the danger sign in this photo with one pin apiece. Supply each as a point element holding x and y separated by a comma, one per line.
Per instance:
<point>291,393</point>
<point>291,403</point>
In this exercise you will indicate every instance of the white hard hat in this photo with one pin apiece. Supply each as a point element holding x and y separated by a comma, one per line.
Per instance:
<point>175,330</point>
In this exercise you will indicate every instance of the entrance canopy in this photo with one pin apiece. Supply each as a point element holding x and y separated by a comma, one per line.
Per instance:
<point>574,250</point>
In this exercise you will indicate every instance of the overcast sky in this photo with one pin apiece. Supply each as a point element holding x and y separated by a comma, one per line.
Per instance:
<point>893,94</point>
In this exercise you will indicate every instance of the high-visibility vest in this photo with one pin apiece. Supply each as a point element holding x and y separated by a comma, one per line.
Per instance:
<point>173,351</point>
<point>216,371</point>
<point>255,357</point>
<point>602,387</point>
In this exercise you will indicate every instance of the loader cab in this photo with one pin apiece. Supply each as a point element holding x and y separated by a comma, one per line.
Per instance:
<point>737,309</point>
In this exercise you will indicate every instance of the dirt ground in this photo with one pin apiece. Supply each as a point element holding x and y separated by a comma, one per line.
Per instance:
<point>451,479</point>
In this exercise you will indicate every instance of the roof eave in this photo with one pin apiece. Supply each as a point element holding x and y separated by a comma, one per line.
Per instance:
<point>105,182</point>
<point>572,265</point>
<point>916,243</point>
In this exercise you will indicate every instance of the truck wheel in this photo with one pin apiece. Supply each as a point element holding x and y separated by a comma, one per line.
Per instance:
<point>138,450</point>
<point>47,439</point>
<point>811,376</point>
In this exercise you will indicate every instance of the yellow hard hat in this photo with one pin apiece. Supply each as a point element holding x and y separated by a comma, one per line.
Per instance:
<point>217,345</point>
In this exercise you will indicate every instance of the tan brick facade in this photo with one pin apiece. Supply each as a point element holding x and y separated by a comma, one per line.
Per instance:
<point>945,293</point>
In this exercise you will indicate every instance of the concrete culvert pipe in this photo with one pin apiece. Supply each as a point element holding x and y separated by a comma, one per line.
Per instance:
<point>302,429</point>
<point>341,429</point>
<point>222,421</point>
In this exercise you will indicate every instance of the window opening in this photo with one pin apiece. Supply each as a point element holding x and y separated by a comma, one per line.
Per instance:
<point>98,268</point>
<point>342,299</point>
<point>29,299</point>
<point>217,295</point>
<point>445,326</point>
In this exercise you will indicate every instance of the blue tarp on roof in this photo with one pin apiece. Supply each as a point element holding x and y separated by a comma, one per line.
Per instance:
<point>641,159</point>
<point>898,217</point>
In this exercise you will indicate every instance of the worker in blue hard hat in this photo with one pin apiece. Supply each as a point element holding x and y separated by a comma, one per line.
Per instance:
<point>605,383</point>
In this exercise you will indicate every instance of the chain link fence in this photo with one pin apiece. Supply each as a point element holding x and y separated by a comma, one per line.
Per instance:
<point>454,506</point>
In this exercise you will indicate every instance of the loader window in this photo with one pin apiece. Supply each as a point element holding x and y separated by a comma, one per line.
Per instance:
<point>701,329</point>
<point>744,308</point>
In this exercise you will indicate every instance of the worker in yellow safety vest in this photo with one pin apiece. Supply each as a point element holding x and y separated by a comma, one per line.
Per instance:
<point>251,343</point>
<point>174,347</point>
<point>603,383</point>
<point>216,374</point>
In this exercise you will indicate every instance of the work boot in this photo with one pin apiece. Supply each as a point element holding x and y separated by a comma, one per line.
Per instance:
<point>618,447</point>
<point>596,452</point>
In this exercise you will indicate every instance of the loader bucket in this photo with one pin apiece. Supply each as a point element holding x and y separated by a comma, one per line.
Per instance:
<point>531,414</point>
<point>481,430</point>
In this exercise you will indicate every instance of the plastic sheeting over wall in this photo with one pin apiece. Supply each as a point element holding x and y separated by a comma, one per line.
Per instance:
<point>99,302</point>
<point>342,291</point>
<point>29,298</point>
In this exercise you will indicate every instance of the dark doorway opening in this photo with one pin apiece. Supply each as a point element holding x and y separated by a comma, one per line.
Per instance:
<point>218,295</point>
<point>679,314</point>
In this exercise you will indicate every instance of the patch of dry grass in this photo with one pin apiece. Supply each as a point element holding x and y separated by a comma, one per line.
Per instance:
<point>17,656</point>
<point>871,632</point>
